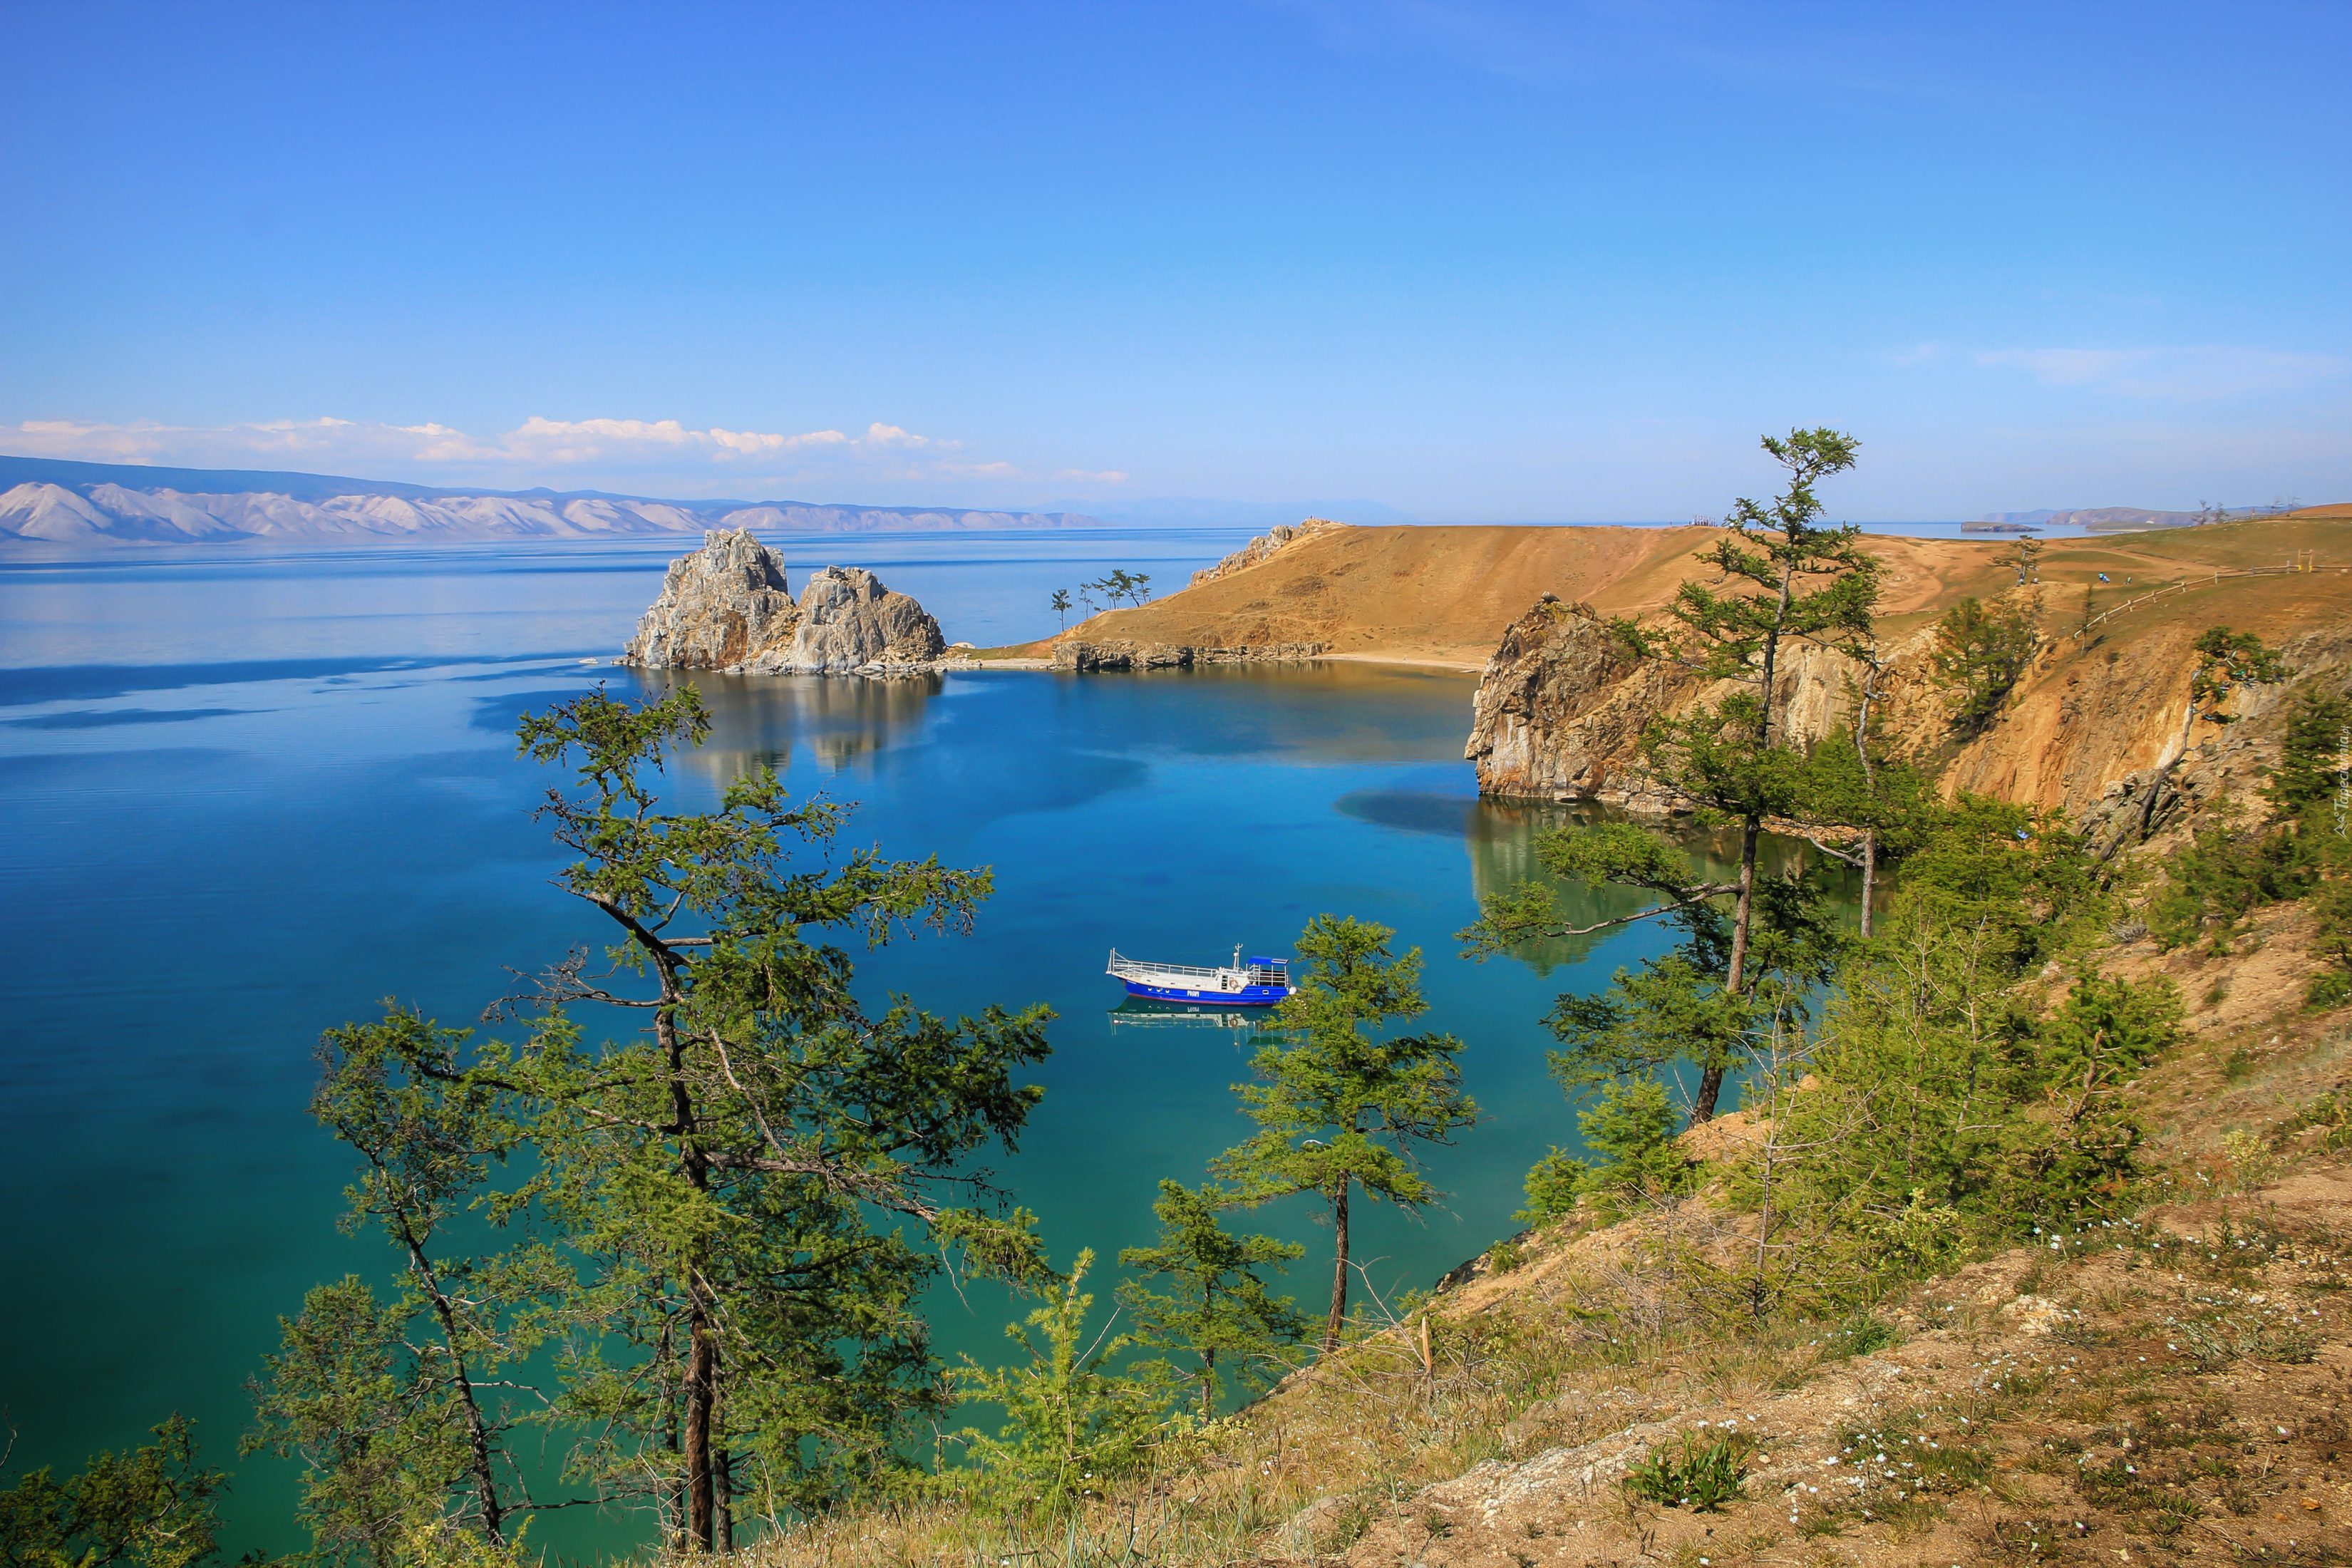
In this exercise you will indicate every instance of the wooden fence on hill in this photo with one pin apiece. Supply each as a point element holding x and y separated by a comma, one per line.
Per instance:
<point>2187,583</point>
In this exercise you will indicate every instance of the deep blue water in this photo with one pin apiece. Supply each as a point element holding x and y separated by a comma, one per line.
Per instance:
<point>245,799</point>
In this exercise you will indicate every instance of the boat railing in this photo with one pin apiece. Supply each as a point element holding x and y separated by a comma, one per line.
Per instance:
<point>1274,974</point>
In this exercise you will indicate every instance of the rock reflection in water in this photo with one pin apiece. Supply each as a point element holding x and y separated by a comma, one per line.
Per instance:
<point>837,718</point>
<point>1502,835</point>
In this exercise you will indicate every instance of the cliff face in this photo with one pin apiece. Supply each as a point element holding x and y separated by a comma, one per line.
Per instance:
<point>728,606</point>
<point>1561,707</point>
<point>1560,711</point>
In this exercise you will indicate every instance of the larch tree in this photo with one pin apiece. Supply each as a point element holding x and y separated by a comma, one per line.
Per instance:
<point>1793,580</point>
<point>1786,579</point>
<point>1339,1109</point>
<point>722,1168</point>
<point>719,1221</point>
<point>1200,1290</point>
<point>402,1407</point>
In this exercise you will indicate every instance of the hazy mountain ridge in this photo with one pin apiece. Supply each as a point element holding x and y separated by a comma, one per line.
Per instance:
<point>107,505</point>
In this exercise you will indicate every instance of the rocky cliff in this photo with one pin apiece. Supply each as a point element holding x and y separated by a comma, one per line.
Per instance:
<point>1263,547</point>
<point>1562,703</point>
<point>728,606</point>
<point>1559,711</point>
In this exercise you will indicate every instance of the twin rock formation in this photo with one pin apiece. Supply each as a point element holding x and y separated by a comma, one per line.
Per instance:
<point>728,607</point>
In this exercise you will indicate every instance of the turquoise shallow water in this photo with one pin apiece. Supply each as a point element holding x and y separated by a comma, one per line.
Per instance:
<point>298,794</point>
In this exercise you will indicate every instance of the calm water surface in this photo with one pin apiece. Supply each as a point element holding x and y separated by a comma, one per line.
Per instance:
<point>247,798</point>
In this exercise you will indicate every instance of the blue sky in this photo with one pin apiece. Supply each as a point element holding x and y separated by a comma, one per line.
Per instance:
<point>1475,261</point>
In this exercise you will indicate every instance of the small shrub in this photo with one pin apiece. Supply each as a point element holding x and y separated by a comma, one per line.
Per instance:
<point>2221,878</point>
<point>1702,1476</point>
<point>2330,989</point>
<point>1505,1255</point>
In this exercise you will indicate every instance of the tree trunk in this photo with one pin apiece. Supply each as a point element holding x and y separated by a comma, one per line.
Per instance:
<point>701,1383</point>
<point>477,1435</point>
<point>1710,1089</point>
<point>724,1469</point>
<point>702,1344</point>
<point>1869,875</point>
<point>1735,981</point>
<point>1208,1384</point>
<point>1339,1271</point>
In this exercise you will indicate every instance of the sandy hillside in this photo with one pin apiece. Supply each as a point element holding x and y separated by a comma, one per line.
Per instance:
<point>1443,594</point>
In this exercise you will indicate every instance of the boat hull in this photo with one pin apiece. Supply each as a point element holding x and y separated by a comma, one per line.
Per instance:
<point>1208,996</point>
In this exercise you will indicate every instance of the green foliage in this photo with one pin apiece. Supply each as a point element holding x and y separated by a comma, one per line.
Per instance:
<point>1551,1188</point>
<point>1796,578</point>
<point>1214,1303</point>
<point>2018,874</point>
<point>378,1399</point>
<point>1679,1008</point>
<point>1702,1475</point>
<point>2312,761</point>
<point>2222,876</point>
<point>1060,606</point>
<point>1072,1424</point>
<point>1614,853</point>
<point>1120,587</point>
<point>2225,661</point>
<point>1339,1109</point>
<point>1943,1113</point>
<point>2332,917</point>
<point>1981,654</point>
<point>713,1227</point>
<point>151,1508</point>
<point>1629,1131</point>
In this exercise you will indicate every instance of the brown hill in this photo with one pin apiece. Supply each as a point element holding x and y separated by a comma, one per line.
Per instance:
<point>1444,595</point>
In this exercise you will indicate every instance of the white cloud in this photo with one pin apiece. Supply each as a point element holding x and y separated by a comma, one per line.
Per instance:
<point>537,450</point>
<point>2187,373</point>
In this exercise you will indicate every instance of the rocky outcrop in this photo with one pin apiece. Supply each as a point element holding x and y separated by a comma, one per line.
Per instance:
<point>717,606</point>
<point>1561,708</point>
<point>1089,657</point>
<point>728,606</point>
<point>849,623</point>
<point>1264,545</point>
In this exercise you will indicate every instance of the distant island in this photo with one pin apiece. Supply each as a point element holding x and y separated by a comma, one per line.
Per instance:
<point>53,501</point>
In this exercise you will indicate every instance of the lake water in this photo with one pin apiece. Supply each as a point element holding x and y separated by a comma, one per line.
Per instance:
<point>246,797</point>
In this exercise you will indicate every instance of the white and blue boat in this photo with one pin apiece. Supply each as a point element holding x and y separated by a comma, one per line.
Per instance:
<point>1260,983</point>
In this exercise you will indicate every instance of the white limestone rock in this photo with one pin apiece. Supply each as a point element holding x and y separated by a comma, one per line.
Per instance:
<point>721,606</point>
<point>728,606</point>
<point>850,624</point>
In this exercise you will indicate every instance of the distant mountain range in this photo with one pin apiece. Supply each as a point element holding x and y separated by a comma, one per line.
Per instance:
<point>47,500</point>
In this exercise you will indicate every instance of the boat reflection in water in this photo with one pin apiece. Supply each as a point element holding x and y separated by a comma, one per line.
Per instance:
<point>1245,1025</point>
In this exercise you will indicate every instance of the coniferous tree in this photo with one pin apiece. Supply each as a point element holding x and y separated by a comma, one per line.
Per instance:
<point>731,1186</point>
<point>1209,1298</point>
<point>1340,1110</point>
<point>1794,580</point>
<point>1981,652</point>
<point>1799,581</point>
<point>1073,1422</point>
<point>399,1406</point>
<point>154,1507</point>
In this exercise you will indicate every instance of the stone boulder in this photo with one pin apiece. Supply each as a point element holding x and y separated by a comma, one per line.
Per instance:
<point>718,607</point>
<point>728,607</point>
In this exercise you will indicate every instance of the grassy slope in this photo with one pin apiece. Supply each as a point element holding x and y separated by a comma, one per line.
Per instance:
<point>2173,1389</point>
<point>1443,594</point>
